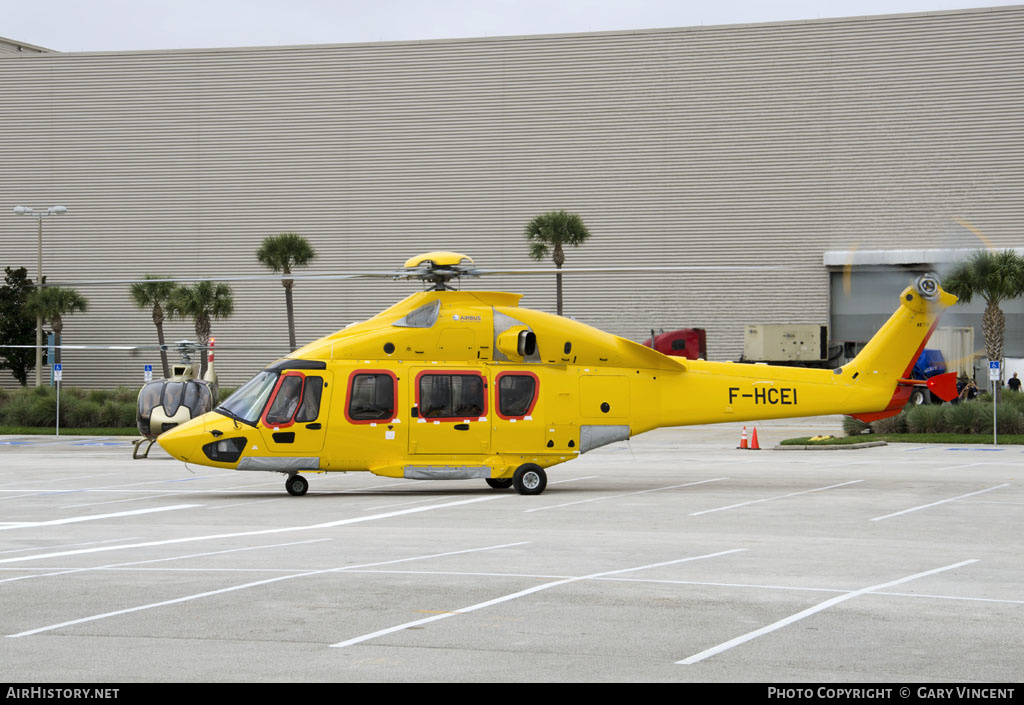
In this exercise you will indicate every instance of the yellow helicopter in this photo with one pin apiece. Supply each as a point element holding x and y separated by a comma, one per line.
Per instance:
<point>466,384</point>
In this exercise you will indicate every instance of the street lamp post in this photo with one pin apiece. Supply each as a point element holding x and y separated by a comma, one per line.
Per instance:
<point>39,215</point>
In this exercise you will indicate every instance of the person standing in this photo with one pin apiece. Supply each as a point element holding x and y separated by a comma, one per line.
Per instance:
<point>1014,383</point>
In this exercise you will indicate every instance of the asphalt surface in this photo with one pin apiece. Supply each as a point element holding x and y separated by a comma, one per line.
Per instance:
<point>674,557</point>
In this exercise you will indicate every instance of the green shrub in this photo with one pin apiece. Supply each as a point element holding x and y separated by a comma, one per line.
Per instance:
<point>80,408</point>
<point>927,418</point>
<point>81,413</point>
<point>1010,418</point>
<point>16,409</point>
<point>42,411</point>
<point>851,426</point>
<point>968,417</point>
<point>126,395</point>
<point>97,395</point>
<point>892,424</point>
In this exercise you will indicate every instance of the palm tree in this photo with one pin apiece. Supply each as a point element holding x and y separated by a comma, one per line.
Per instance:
<point>996,277</point>
<point>202,302</point>
<point>155,295</point>
<point>280,253</point>
<point>51,303</point>
<point>553,231</point>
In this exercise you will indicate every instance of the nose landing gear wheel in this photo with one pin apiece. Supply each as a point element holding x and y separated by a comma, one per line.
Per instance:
<point>530,479</point>
<point>500,484</point>
<point>296,485</point>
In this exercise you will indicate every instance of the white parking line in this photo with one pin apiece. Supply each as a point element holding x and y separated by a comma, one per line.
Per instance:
<point>257,532</point>
<point>234,588</point>
<point>111,566</point>
<point>749,636</point>
<point>68,545</point>
<point>94,517</point>
<point>616,496</point>
<point>769,499</point>
<point>943,501</point>
<point>516,595</point>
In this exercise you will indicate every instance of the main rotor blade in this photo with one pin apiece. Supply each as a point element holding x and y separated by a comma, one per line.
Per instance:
<point>239,278</point>
<point>148,348</point>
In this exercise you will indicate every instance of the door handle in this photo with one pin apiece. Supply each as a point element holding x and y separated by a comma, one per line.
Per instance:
<point>313,426</point>
<point>462,427</point>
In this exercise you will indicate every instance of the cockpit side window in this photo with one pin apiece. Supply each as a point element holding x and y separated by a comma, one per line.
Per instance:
<point>286,400</point>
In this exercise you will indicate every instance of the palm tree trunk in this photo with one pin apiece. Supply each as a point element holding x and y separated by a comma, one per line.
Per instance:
<point>291,312</point>
<point>58,328</point>
<point>203,337</point>
<point>158,321</point>
<point>559,257</point>
<point>993,326</point>
<point>558,292</point>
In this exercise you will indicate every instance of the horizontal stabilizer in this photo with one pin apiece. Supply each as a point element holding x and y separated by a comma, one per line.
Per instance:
<point>944,386</point>
<point>876,415</point>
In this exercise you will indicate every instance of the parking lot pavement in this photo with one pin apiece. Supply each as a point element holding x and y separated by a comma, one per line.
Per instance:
<point>673,557</point>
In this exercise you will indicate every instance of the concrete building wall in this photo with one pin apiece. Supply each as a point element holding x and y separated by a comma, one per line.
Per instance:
<point>731,145</point>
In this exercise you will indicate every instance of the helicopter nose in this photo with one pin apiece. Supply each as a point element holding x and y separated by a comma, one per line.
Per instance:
<point>182,442</point>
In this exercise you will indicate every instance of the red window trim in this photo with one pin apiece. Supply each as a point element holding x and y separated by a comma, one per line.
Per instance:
<point>394,401</point>
<point>273,398</point>
<point>450,373</point>
<point>497,393</point>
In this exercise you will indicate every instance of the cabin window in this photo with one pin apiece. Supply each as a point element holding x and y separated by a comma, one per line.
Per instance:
<point>517,393</point>
<point>198,398</point>
<point>450,396</point>
<point>149,398</point>
<point>172,397</point>
<point>371,397</point>
<point>309,408</point>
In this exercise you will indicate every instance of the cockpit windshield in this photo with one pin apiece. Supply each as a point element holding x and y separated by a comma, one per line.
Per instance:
<point>247,403</point>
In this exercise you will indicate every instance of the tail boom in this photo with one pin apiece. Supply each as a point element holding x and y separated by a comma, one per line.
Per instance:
<point>872,385</point>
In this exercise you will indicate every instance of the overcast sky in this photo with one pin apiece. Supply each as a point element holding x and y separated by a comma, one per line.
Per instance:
<point>91,25</point>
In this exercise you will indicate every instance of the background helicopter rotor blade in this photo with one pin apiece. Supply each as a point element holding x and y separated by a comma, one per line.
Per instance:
<point>448,272</point>
<point>628,270</point>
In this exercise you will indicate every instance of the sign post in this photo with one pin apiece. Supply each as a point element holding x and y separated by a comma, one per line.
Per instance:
<point>58,374</point>
<point>994,376</point>
<point>147,373</point>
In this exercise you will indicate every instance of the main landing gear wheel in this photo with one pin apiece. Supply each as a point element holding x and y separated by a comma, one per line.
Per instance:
<point>530,479</point>
<point>500,484</point>
<point>296,485</point>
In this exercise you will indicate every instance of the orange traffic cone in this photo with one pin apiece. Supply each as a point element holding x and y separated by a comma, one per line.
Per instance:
<point>743,440</point>
<point>753,441</point>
